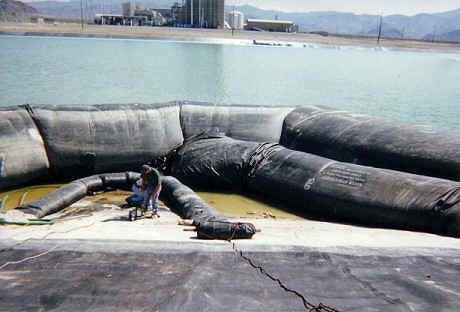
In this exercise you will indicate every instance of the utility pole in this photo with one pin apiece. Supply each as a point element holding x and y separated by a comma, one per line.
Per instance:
<point>380,30</point>
<point>233,20</point>
<point>81,11</point>
<point>86,10</point>
<point>199,13</point>
<point>191,12</point>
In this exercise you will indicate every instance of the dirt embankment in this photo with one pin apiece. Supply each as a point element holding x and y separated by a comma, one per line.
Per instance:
<point>210,35</point>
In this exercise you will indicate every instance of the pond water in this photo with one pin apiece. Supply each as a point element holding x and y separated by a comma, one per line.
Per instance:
<point>412,86</point>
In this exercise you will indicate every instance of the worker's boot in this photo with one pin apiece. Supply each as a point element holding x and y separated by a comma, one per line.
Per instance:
<point>131,203</point>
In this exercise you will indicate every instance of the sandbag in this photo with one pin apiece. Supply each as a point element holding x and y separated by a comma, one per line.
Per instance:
<point>373,141</point>
<point>334,190</point>
<point>212,161</point>
<point>250,123</point>
<point>186,203</point>
<point>86,139</point>
<point>76,190</point>
<point>22,151</point>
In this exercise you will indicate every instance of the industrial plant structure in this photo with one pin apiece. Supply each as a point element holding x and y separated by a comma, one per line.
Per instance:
<point>205,13</point>
<point>270,25</point>
<point>191,13</point>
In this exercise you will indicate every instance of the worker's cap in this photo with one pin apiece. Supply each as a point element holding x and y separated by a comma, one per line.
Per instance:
<point>145,168</point>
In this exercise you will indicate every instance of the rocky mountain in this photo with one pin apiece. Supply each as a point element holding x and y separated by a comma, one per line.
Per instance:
<point>15,11</point>
<point>449,36</point>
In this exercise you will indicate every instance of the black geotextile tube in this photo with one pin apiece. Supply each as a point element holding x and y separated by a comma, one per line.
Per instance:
<point>249,123</point>
<point>375,142</point>
<point>22,150</point>
<point>225,230</point>
<point>337,191</point>
<point>183,201</point>
<point>212,161</point>
<point>82,140</point>
<point>209,223</point>
<point>76,190</point>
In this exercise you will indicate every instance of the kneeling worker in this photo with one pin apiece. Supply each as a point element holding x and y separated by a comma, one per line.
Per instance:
<point>151,186</point>
<point>146,190</point>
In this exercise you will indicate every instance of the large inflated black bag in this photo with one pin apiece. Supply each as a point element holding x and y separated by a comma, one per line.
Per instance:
<point>84,139</point>
<point>93,183</point>
<point>121,181</point>
<point>72,192</point>
<point>329,189</point>
<point>376,142</point>
<point>213,162</point>
<point>210,224</point>
<point>249,123</point>
<point>185,202</point>
<point>22,151</point>
<point>57,200</point>
<point>356,194</point>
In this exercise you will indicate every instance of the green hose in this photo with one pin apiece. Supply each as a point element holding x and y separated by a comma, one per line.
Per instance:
<point>2,203</point>
<point>3,221</point>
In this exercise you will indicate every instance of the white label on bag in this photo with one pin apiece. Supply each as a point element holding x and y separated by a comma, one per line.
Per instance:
<point>345,175</point>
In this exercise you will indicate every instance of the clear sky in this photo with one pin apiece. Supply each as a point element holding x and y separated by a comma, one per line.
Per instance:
<point>385,7</point>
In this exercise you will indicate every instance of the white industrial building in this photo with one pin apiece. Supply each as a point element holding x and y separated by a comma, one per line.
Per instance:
<point>235,20</point>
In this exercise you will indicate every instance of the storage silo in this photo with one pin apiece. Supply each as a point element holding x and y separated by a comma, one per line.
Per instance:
<point>129,8</point>
<point>236,19</point>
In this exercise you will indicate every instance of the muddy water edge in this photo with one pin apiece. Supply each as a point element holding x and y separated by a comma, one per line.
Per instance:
<point>230,204</point>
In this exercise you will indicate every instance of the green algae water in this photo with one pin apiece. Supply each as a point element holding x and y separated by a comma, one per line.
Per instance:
<point>418,87</point>
<point>236,205</point>
<point>14,198</point>
<point>232,205</point>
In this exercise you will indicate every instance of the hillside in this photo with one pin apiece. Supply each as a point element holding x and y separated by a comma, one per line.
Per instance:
<point>439,26</point>
<point>15,11</point>
<point>443,26</point>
